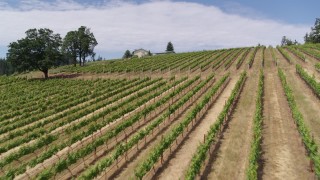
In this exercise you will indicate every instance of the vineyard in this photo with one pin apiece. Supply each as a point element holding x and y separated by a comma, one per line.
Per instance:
<point>250,113</point>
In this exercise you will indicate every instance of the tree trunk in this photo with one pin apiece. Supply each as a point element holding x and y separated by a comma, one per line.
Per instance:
<point>75,61</point>
<point>80,58</point>
<point>45,72</point>
<point>74,58</point>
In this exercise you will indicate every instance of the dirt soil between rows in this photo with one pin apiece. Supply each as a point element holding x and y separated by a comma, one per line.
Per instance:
<point>283,155</point>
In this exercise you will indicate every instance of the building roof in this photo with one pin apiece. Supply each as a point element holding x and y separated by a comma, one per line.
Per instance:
<point>140,50</point>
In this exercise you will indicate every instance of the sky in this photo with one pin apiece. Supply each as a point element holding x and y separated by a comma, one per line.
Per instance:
<point>190,25</point>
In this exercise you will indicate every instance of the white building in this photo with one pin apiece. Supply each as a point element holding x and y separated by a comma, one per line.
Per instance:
<point>140,53</point>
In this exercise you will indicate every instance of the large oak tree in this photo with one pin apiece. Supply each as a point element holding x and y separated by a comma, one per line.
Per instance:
<point>39,50</point>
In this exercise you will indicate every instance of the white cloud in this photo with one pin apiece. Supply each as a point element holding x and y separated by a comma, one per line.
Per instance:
<point>120,25</point>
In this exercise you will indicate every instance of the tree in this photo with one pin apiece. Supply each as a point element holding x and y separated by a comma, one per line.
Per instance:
<point>87,43</point>
<point>70,46</point>
<point>170,47</point>
<point>306,38</point>
<point>93,56</point>
<point>79,44</point>
<point>314,35</point>
<point>40,50</point>
<point>127,54</point>
<point>149,53</point>
<point>99,58</point>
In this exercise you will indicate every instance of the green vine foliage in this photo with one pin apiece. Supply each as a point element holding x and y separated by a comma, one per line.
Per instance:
<point>251,59</point>
<point>255,152</point>
<point>242,58</point>
<point>75,156</point>
<point>201,153</point>
<point>296,52</point>
<point>165,143</point>
<point>145,96</point>
<point>304,131</point>
<point>317,66</point>
<point>311,81</point>
<point>95,170</point>
<point>285,54</point>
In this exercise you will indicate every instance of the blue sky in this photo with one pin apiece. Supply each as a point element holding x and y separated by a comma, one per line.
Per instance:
<point>289,11</point>
<point>191,25</point>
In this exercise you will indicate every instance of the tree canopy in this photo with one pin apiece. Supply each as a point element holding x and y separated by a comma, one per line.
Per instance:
<point>314,35</point>
<point>79,44</point>
<point>170,47</point>
<point>87,43</point>
<point>127,54</point>
<point>40,50</point>
<point>70,46</point>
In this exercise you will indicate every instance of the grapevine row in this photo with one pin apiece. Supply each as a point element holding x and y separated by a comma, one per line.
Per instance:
<point>252,56</point>
<point>308,141</point>
<point>242,58</point>
<point>232,59</point>
<point>285,54</point>
<point>205,65</point>
<point>263,55</point>
<point>311,81</point>
<point>124,147</point>
<point>275,59</point>
<point>166,141</point>
<point>219,61</point>
<point>82,133</point>
<point>317,66</point>
<point>75,156</point>
<point>311,52</point>
<point>64,119</point>
<point>202,151</point>
<point>297,53</point>
<point>255,152</point>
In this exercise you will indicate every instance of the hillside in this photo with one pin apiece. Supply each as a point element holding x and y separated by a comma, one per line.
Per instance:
<point>249,113</point>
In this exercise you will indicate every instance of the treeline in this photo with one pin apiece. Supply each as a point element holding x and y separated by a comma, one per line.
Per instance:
<point>312,37</point>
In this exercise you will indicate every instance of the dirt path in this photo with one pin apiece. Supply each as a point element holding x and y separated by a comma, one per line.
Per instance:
<point>234,145</point>
<point>175,168</point>
<point>283,156</point>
